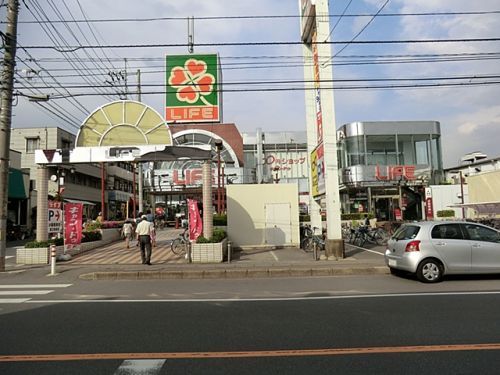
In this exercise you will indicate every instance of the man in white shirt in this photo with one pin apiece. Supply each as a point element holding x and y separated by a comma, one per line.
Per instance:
<point>143,233</point>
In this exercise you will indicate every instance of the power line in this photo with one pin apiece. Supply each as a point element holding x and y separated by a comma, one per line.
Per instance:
<point>349,87</point>
<point>359,33</point>
<point>338,21</point>
<point>257,17</point>
<point>286,43</point>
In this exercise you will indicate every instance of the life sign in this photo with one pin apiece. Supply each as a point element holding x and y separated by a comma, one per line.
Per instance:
<point>395,172</point>
<point>192,92</point>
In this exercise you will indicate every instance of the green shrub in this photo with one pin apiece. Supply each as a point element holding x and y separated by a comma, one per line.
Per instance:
<point>93,226</point>
<point>38,244</point>
<point>91,236</point>
<point>304,218</point>
<point>218,236</point>
<point>220,219</point>
<point>445,213</point>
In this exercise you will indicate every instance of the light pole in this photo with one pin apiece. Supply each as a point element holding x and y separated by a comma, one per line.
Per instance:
<point>460,175</point>
<point>218,145</point>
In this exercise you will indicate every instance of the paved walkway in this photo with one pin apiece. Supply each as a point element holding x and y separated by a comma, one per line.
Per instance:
<point>116,262</point>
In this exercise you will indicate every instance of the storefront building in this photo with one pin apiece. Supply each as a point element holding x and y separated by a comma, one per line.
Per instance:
<point>385,167</point>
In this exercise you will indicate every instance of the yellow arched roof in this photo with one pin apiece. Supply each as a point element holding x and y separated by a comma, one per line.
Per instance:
<point>124,123</point>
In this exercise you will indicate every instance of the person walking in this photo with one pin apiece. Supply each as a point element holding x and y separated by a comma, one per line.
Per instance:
<point>127,232</point>
<point>143,233</point>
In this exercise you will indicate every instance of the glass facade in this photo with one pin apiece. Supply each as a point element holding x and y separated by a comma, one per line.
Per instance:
<point>386,166</point>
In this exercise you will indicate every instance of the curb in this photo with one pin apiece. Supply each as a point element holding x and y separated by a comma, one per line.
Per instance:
<point>234,273</point>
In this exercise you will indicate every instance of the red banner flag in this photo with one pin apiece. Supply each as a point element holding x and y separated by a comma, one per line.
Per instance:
<point>195,222</point>
<point>73,223</point>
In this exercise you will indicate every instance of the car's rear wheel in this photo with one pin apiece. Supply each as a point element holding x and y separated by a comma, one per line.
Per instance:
<point>430,271</point>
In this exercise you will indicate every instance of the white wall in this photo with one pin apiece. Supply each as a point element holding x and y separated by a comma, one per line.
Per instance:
<point>445,195</point>
<point>246,215</point>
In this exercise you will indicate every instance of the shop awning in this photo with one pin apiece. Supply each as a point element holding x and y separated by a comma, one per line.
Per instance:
<point>482,208</point>
<point>85,203</point>
<point>16,184</point>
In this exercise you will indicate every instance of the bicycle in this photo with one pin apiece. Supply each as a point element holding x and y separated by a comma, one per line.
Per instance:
<point>376,236</point>
<point>311,239</point>
<point>179,245</point>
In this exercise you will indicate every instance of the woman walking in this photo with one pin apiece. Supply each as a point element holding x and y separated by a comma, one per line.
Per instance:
<point>128,232</point>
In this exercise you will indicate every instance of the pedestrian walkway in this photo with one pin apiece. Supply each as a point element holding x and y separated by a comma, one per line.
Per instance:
<point>117,252</point>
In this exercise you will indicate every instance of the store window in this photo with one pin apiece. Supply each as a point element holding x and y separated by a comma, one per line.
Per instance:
<point>422,149</point>
<point>406,150</point>
<point>355,150</point>
<point>381,150</point>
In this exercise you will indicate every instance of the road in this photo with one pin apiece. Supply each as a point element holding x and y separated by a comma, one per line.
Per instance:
<point>343,325</point>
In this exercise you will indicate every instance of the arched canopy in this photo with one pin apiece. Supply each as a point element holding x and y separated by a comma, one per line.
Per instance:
<point>123,123</point>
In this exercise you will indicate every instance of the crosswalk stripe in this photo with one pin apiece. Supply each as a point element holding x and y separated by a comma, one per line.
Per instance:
<point>13,300</point>
<point>23,292</point>
<point>30,286</point>
<point>140,366</point>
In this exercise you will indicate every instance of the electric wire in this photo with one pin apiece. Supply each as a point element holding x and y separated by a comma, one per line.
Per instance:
<point>258,17</point>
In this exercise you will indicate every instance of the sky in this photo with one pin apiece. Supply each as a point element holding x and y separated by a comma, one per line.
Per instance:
<point>469,114</point>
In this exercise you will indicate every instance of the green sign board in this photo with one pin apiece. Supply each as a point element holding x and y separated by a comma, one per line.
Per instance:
<point>192,92</point>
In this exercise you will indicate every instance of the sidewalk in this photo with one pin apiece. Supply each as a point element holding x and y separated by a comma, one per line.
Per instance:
<point>115,262</point>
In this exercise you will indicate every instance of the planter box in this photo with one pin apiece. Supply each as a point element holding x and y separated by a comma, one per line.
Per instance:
<point>209,252</point>
<point>41,255</point>
<point>37,255</point>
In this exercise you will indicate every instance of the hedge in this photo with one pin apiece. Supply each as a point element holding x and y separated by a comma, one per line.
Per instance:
<point>220,219</point>
<point>218,236</point>
<point>87,237</point>
<point>445,213</point>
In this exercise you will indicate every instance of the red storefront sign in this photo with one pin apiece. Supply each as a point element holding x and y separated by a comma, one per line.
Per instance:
<point>73,223</point>
<point>395,172</point>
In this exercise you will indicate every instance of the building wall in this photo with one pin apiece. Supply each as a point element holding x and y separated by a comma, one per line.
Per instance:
<point>444,196</point>
<point>484,187</point>
<point>246,212</point>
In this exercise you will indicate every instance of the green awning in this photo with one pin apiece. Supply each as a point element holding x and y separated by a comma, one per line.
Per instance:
<point>16,184</point>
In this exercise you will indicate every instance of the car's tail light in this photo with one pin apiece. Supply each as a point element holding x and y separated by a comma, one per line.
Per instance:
<point>412,246</point>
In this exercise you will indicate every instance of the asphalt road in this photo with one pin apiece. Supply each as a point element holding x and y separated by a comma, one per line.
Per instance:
<point>443,333</point>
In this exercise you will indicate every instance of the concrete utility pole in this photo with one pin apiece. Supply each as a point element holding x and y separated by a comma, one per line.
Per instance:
<point>141,194</point>
<point>9,61</point>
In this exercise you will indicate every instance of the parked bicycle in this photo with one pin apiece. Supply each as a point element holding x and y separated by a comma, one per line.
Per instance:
<point>180,244</point>
<point>310,239</point>
<point>363,234</point>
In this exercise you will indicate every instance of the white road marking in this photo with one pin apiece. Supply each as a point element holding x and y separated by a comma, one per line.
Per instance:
<point>9,256</point>
<point>211,300</point>
<point>274,256</point>
<point>362,248</point>
<point>23,292</point>
<point>13,300</point>
<point>30,286</point>
<point>140,366</point>
<point>26,290</point>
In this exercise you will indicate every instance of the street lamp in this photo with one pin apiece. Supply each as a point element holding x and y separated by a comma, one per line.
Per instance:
<point>461,191</point>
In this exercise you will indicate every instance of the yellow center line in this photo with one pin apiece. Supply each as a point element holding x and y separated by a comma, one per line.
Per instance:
<point>247,354</point>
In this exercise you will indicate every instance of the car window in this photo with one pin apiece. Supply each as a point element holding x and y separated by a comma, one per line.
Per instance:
<point>447,231</point>
<point>406,232</point>
<point>479,233</point>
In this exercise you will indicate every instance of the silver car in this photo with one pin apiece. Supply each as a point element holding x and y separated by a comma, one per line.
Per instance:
<point>431,249</point>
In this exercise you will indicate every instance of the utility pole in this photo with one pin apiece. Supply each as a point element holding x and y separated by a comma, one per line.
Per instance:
<point>139,98</point>
<point>7,85</point>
